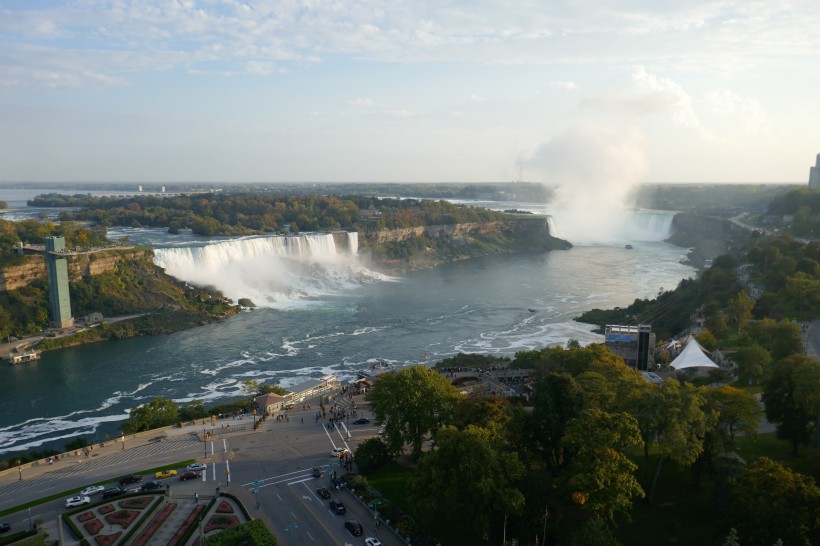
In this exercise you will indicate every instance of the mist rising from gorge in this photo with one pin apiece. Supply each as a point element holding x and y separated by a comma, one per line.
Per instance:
<point>593,169</point>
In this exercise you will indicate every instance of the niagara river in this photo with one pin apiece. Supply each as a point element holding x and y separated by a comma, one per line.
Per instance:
<point>321,311</point>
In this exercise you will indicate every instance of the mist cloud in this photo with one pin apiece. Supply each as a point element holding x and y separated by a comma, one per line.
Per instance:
<point>593,168</point>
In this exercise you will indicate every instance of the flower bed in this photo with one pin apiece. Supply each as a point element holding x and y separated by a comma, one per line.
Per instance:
<point>149,532</point>
<point>106,508</point>
<point>221,522</point>
<point>190,520</point>
<point>122,517</point>
<point>93,526</point>
<point>85,516</point>
<point>135,502</point>
<point>107,540</point>
<point>225,508</point>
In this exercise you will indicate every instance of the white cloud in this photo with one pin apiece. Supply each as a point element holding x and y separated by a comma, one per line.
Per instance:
<point>566,86</point>
<point>400,113</point>
<point>727,103</point>
<point>475,98</point>
<point>361,101</point>
<point>664,90</point>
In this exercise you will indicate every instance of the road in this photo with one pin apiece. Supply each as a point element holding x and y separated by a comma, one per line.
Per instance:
<point>278,458</point>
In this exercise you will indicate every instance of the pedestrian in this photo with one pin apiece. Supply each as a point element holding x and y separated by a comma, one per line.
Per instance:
<point>196,497</point>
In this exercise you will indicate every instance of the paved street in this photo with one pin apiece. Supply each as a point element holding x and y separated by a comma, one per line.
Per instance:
<point>278,459</point>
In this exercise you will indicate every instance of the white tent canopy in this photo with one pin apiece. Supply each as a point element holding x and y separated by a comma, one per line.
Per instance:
<point>692,356</point>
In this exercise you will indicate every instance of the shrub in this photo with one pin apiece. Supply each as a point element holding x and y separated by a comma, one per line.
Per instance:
<point>93,526</point>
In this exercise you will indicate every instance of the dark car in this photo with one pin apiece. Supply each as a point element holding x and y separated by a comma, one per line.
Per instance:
<point>338,507</point>
<point>149,486</point>
<point>130,478</point>
<point>112,492</point>
<point>362,421</point>
<point>354,527</point>
<point>190,476</point>
<point>4,527</point>
<point>317,472</point>
<point>323,492</point>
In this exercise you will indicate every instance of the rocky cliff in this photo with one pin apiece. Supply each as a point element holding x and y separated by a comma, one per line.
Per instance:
<point>428,246</point>
<point>33,267</point>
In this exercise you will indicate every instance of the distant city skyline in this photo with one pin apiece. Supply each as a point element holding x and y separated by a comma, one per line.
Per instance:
<point>573,94</point>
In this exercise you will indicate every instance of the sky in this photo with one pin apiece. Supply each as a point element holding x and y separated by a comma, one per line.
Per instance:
<point>560,92</point>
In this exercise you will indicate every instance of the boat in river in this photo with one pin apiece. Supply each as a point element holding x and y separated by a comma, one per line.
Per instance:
<point>628,246</point>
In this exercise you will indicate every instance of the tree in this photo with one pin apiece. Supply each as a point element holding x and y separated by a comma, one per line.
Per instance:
<point>753,363</point>
<point>670,418</point>
<point>740,309</point>
<point>467,481</point>
<point>600,468</point>
<point>159,412</point>
<point>780,338</point>
<point>768,502</point>
<point>594,532</point>
<point>556,401</point>
<point>411,404</point>
<point>250,386</point>
<point>792,398</point>
<point>736,411</point>
<point>371,454</point>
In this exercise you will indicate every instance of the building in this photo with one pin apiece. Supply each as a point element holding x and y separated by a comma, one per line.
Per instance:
<point>814,175</point>
<point>632,343</point>
<point>59,300</point>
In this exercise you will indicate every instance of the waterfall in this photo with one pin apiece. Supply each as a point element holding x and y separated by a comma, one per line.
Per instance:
<point>648,225</point>
<point>551,226</point>
<point>274,271</point>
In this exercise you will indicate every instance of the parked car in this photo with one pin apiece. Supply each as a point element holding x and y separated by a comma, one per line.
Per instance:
<point>165,474</point>
<point>190,476</point>
<point>354,527</point>
<point>362,421</point>
<point>337,507</point>
<point>323,492</point>
<point>370,541</point>
<point>339,452</point>
<point>150,486</point>
<point>130,478</point>
<point>4,527</point>
<point>79,500</point>
<point>317,472</point>
<point>196,467</point>
<point>112,492</point>
<point>92,490</point>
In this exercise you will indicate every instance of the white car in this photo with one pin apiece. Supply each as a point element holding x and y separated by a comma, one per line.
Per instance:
<point>370,541</point>
<point>92,490</point>
<point>339,452</point>
<point>79,500</point>
<point>196,467</point>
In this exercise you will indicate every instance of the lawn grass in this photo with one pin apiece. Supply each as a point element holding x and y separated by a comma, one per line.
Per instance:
<point>392,481</point>
<point>807,460</point>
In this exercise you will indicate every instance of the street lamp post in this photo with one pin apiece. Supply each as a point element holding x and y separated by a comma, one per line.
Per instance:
<point>546,515</point>
<point>20,469</point>
<point>123,441</point>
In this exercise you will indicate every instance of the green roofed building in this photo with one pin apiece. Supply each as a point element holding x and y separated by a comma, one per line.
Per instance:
<point>59,300</point>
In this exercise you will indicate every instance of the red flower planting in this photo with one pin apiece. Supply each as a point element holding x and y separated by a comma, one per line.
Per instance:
<point>107,540</point>
<point>105,509</point>
<point>149,532</point>
<point>225,508</point>
<point>93,526</point>
<point>85,516</point>
<point>188,522</point>
<point>122,517</point>
<point>135,502</point>
<point>221,522</point>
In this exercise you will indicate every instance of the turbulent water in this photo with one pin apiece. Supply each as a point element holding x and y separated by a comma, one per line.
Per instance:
<point>324,312</point>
